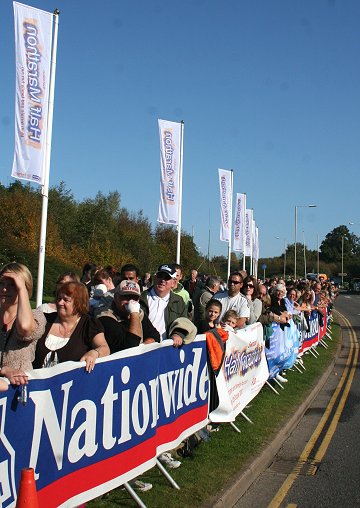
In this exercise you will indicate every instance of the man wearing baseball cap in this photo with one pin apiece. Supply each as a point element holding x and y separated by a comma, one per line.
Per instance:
<point>125,323</point>
<point>168,313</point>
<point>162,305</point>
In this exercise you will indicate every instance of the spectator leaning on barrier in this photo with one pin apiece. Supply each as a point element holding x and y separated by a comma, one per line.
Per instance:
<point>165,308</point>
<point>70,333</point>
<point>21,327</point>
<point>167,312</point>
<point>232,299</point>
<point>125,323</point>
<point>212,313</point>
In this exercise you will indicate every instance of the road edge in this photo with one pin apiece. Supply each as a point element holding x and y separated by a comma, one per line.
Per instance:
<point>253,469</point>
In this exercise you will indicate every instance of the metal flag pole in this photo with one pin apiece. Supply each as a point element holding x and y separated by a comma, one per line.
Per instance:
<point>45,188</point>
<point>244,235</point>
<point>180,192</point>
<point>230,223</point>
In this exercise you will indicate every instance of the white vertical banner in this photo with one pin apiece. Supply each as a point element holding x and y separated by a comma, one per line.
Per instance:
<point>33,41</point>
<point>239,226</point>
<point>226,191</point>
<point>170,169</point>
<point>248,231</point>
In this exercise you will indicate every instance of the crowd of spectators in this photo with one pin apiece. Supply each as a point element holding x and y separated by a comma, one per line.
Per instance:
<point>109,310</point>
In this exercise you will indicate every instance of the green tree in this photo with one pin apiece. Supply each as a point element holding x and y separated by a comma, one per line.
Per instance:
<point>331,247</point>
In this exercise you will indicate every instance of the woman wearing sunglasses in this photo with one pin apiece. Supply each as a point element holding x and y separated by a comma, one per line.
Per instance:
<point>250,290</point>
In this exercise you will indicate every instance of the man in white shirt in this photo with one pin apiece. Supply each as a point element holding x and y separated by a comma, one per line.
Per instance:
<point>234,300</point>
<point>162,305</point>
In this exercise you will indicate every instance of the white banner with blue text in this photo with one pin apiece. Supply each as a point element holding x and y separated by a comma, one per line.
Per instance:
<point>33,38</point>
<point>243,373</point>
<point>248,231</point>
<point>225,182</point>
<point>239,227</point>
<point>170,144</point>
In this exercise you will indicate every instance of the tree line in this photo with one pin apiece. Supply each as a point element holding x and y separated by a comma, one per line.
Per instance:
<point>100,230</point>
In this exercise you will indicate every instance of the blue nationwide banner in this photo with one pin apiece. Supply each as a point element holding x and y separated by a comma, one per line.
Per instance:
<point>87,433</point>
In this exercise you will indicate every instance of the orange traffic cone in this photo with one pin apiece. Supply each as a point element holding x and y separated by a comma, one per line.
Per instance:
<point>27,495</point>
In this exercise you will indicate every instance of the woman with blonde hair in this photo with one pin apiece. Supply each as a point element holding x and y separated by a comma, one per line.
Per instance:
<point>21,327</point>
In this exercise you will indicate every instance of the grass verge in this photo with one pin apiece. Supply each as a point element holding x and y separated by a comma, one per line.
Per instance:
<point>223,458</point>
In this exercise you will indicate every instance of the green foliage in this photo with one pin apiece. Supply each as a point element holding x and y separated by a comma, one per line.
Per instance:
<point>96,229</point>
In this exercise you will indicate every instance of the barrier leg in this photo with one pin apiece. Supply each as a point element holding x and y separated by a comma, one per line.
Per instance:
<point>271,386</point>
<point>315,351</point>
<point>297,368</point>
<point>235,427</point>
<point>246,417</point>
<point>312,352</point>
<point>167,476</point>
<point>133,494</point>
<point>323,344</point>
<point>278,383</point>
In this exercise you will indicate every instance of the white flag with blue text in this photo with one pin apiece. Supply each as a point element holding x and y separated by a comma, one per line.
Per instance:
<point>33,39</point>
<point>239,226</point>
<point>225,182</point>
<point>170,145</point>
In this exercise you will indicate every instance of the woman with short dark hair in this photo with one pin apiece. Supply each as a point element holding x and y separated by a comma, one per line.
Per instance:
<point>71,334</point>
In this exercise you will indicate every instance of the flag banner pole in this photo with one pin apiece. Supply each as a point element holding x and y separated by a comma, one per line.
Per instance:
<point>226,191</point>
<point>178,245</point>
<point>238,244</point>
<point>170,159</point>
<point>244,233</point>
<point>230,223</point>
<point>45,188</point>
<point>33,35</point>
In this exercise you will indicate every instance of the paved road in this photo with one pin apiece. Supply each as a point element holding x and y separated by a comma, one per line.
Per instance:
<point>321,470</point>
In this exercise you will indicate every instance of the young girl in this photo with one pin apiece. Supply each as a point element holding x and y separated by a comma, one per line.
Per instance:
<point>229,320</point>
<point>212,312</point>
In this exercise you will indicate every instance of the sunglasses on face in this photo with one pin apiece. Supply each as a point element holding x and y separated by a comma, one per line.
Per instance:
<point>234,282</point>
<point>163,276</point>
<point>249,285</point>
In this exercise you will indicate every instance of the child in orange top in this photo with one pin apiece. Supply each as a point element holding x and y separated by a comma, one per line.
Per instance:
<point>212,313</point>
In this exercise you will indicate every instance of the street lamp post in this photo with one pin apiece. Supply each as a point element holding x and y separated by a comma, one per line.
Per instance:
<point>342,261</point>
<point>304,253</point>
<point>296,207</point>
<point>278,238</point>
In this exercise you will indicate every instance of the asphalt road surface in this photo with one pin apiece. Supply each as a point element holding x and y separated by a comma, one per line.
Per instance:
<point>319,464</point>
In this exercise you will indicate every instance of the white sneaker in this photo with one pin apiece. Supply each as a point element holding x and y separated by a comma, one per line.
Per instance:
<point>169,461</point>
<point>281,379</point>
<point>142,486</point>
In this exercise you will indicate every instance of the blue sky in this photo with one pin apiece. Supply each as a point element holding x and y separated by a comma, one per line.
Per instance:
<point>268,88</point>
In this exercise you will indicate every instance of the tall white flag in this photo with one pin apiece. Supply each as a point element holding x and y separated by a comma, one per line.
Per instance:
<point>239,228</point>
<point>226,191</point>
<point>170,167</point>
<point>248,231</point>
<point>33,38</point>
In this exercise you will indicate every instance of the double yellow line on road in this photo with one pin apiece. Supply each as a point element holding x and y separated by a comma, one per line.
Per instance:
<point>347,377</point>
